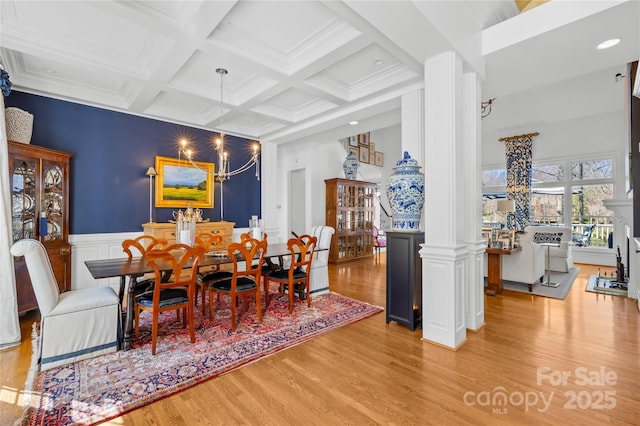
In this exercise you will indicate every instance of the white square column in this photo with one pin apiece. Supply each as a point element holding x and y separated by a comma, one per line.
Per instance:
<point>472,169</point>
<point>444,254</point>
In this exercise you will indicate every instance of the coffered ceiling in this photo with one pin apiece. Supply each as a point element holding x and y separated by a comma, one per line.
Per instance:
<point>302,68</point>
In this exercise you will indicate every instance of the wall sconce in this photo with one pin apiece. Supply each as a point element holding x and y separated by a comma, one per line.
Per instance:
<point>151,172</point>
<point>485,108</point>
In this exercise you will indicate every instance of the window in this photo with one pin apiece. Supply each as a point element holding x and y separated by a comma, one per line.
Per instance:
<point>547,206</point>
<point>560,198</point>
<point>490,214</point>
<point>550,173</point>
<point>496,177</point>
<point>587,170</point>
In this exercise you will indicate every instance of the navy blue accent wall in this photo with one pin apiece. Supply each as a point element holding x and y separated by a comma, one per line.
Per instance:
<point>111,153</point>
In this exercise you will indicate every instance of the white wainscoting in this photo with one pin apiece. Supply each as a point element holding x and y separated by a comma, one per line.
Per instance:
<point>95,247</point>
<point>594,256</point>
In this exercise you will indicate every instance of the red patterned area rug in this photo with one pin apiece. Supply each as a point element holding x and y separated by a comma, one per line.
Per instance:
<point>98,389</point>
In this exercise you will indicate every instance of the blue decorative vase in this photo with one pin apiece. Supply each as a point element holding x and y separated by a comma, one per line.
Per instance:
<point>405,191</point>
<point>350,166</point>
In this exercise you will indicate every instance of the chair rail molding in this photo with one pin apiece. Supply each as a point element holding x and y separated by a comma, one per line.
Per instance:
<point>95,247</point>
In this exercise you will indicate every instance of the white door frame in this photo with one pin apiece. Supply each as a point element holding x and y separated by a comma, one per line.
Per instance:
<point>295,203</point>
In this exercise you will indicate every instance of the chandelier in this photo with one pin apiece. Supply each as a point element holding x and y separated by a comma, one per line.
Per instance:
<point>223,173</point>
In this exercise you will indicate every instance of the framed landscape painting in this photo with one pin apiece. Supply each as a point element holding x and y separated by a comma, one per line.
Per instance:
<point>179,182</point>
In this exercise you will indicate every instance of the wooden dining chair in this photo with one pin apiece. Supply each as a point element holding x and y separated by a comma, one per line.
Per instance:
<point>298,272</point>
<point>209,242</point>
<point>268,264</point>
<point>178,294</point>
<point>139,247</point>
<point>245,279</point>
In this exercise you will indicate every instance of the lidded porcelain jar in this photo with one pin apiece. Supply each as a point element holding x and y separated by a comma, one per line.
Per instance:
<point>350,166</point>
<point>405,191</point>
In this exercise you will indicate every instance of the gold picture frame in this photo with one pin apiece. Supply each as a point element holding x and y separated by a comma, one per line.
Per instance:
<point>379,158</point>
<point>506,236</point>
<point>179,183</point>
<point>364,154</point>
<point>363,139</point>
<point>355,151</point>
<point>353,141</point>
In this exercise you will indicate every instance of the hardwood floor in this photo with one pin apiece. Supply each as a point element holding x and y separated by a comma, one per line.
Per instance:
<point>374,373</point>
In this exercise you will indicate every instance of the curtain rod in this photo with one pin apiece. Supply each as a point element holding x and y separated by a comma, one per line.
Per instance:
<point>527,135</point>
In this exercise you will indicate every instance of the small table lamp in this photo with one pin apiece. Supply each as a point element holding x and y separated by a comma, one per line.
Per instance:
<point>151,172</point>
<point>506,206</point>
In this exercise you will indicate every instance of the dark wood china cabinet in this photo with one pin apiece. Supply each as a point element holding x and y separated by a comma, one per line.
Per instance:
<point>40,210</point>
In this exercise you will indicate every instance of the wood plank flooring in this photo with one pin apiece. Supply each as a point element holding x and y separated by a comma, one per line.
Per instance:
<point>374,373</point>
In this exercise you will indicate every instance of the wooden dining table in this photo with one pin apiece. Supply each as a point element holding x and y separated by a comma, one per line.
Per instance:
<point>135,267</point>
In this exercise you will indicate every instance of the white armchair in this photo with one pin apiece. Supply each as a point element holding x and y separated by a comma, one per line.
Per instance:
<point>74,325</point>
<point>525,266</point>
<point>319,279</point>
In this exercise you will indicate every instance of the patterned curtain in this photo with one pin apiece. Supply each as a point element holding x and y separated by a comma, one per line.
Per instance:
<point>9,320</point>
<point>518,152</point>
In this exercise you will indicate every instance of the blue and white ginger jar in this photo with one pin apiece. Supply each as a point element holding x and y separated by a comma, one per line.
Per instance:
<point>350,166</point>
<point>405,192</point>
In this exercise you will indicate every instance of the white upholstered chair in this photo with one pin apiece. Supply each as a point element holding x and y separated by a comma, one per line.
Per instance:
<point>525,266</point>
<point>319,278</point>
<point>74,325</point>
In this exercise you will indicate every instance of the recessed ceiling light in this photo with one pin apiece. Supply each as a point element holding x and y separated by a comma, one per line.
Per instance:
<point>353,123</point>
<point>378,62</point>
<point>609,43</point>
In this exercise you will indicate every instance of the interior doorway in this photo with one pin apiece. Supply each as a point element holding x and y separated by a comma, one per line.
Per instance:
<point>297,201</point>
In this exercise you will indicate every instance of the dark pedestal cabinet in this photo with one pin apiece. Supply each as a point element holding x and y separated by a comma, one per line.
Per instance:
<point>404,278</point>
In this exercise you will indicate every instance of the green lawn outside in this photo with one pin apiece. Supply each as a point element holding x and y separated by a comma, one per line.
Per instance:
<point>184,194</point>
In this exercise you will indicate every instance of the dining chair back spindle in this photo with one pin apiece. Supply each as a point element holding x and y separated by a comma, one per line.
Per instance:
<point>211,243</point>
<point>298,272</point>
<point>267,265</point>
<point>177,294</point>
<point>245,279</point>
<point>139,247</point>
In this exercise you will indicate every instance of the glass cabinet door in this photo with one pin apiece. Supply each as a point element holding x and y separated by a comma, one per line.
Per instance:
<point>53,200</point>
<point>23,198</point>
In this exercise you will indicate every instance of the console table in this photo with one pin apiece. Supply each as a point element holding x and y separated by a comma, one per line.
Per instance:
<point>494,266</point>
